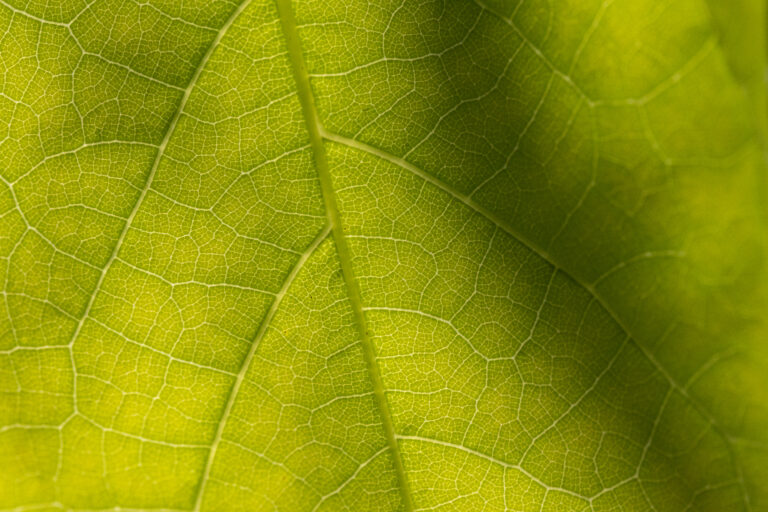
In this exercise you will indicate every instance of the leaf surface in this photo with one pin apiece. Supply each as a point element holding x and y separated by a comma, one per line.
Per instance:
<point>338,255</point>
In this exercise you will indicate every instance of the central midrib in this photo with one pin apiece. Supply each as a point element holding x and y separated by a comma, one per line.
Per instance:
<point>309,111</point>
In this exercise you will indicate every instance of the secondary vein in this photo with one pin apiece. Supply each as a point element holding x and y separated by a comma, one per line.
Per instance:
<point>148,183</point>
<point>234,391</point>
<point>542,253</point>
<point>311,118</point>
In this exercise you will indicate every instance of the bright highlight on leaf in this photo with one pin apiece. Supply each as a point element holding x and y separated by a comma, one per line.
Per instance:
<point>328,255</point>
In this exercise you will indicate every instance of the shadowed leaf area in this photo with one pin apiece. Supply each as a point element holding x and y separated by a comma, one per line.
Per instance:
<point>348,255</point>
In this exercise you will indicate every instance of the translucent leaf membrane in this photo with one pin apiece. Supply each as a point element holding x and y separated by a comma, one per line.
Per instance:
<point>340,255</point>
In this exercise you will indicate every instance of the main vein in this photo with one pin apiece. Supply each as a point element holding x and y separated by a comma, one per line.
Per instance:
<point>329,196</point>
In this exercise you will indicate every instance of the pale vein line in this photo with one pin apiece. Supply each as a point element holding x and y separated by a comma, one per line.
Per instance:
<point>59,505</point>
<point>315,130</point>
<point>155,165</point>
<point>142,195</point>
<point>441,320</point>
<point>493,460</point>
<point>590,288</point>
<point>464,198</point>
<point>83,51</point>
<point>247,362</point>
<point>350,479</point>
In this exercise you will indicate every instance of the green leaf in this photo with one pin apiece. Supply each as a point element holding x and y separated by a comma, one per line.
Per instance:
<point>347,255</point>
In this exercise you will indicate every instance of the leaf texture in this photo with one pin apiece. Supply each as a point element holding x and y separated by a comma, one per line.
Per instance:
<point>335,255</point>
